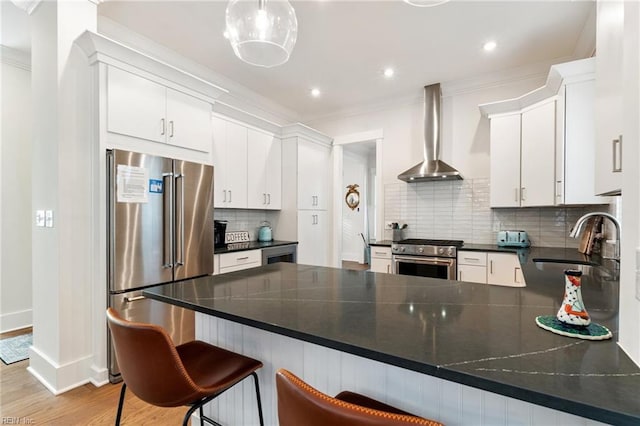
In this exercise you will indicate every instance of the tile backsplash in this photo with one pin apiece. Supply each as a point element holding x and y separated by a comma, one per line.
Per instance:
<point>247,220</point>
<point>460,210</point>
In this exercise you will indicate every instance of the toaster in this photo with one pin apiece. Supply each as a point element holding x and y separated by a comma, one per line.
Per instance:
<point>513,239</point>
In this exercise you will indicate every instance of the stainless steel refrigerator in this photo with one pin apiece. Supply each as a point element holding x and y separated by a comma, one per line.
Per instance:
<point>160,229</point>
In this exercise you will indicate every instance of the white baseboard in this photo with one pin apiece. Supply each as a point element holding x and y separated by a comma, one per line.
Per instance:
<point>58,378</point>
<point>99,376</point>
<point>16,320</point>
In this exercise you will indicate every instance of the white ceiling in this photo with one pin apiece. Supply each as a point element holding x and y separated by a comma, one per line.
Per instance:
<point>343,46</point>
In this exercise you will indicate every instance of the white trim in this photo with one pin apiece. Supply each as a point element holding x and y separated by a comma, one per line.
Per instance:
<point>370,135</point>
<point>102,49</point>
<point>99,376</point>
<point>244,117</point>
<point>558,74</point>
<point>301,130</point>
<point>16,320</point>
<point>28,6</point>
<point>336,226</point>
<point>58,378</point>
<point>15,58</point>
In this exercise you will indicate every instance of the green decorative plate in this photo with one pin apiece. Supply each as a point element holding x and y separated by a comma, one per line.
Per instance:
<point>592,331</point>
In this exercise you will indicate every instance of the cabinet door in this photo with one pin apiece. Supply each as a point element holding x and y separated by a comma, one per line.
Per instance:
<point>135,106</point>
<point>219,163</point>
<point>578,156</point>
<point>258,146</point>
<point>380,265</point>
<point>313,234</point>
<point>236,167</point>
<point>472,274</point>
<point>505,161</point>
<point>504,269</point>
<point>538,156</point>
<point>609,92</point>
<point>313,175</point>
<point>189,121</point>
<point>274,174</point>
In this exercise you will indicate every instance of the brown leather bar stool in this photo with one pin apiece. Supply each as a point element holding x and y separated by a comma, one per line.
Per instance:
<point>301,404</point>
<point>162,374</point>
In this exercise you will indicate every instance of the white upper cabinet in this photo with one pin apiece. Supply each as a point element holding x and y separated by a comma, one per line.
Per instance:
<point>543,143</point>
<point>313,175</point>
<point>537,155</point>
<point>522,157</point>
<point>609,92</point>
<point>144,109</point>
<point>264,166</point>
<point>576,157</point>
<point>230,164</point>
<point>505,161</point>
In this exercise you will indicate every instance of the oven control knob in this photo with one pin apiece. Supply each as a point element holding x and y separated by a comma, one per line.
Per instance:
<point>441,250</point>
<point>401,249</point>
<point>420,250</point>
<point>450,252</point>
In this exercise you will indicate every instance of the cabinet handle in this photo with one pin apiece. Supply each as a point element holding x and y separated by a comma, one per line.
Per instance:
<point>243,258</point>
<point>523,193</point>
<point>229,195</point>
<point>491,266</point>
<point>171,128</point>
<point>133,299</point>
<point>264,198</point>
<point>515,275</point>
<point>559,189</point>
<point>516,197</point>
<point>477,259</point>
<point>381,253</point>
<point>388,267</point>
<point>617,165</point>
<point>225,195</point>
<point>269,199</point>
<point>459,275</point>
<point>162,131</point>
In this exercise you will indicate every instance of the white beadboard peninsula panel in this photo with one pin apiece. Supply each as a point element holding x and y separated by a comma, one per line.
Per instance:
<point>332,371</point>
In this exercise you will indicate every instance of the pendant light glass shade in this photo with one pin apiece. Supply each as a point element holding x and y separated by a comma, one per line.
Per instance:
<point>261,32</point>
<point>425,3</point>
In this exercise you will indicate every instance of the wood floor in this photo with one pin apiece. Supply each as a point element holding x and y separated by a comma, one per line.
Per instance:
<point>24,400</point>
<point>354,266</point>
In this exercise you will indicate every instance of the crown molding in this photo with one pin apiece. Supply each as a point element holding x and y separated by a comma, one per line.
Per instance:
<point>15,58</point>
<point>301,130</point>
<point>27,5</point>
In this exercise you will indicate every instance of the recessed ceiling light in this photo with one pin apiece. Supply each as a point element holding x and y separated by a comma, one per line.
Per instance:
<point>315,92</point>
<point>389,72</point>
<point>489,46</point>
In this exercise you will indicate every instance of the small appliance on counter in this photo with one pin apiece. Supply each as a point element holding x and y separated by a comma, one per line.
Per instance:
<point>219,231</point>
<point>264,232</point>
<point>513,239</point>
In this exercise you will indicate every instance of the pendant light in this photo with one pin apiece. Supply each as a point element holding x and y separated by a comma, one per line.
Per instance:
<point>425,3</point>
<point>261,32</point>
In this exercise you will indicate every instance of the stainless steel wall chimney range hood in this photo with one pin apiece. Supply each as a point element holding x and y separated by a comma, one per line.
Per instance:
<point>432,168</point>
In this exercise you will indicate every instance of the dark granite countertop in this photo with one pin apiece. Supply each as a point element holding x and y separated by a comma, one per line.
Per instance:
<point>475,334</point>
<point>251,245</point>
<point>381,243</point>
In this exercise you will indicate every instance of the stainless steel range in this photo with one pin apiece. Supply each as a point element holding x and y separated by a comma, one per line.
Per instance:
<point>425,258</point>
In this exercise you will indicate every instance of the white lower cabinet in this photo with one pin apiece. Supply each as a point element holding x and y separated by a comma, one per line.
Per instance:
<point>504,269</point>
<point>380,259</point>
<point>236,261</point>
<point>313,233</point>
<point>490,268</point>
<point>472,266</point>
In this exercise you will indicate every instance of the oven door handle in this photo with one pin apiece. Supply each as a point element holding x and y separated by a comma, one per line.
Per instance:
<point>425,260</point>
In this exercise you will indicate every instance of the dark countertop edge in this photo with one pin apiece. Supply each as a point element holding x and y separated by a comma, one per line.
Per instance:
<point>252,245</point>
<point>565,405</point>
<point>381,243</point>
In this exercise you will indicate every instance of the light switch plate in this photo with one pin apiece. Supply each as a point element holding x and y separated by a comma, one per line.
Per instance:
<point>48,218</point>
<point>40,218</point>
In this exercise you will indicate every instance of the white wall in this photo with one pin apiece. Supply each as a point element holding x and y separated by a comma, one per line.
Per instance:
<point>15,201</point>
<point>465,134</point>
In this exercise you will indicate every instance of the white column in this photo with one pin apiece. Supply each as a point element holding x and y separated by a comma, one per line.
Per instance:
<point>62,351</point>
<point>629,338</point>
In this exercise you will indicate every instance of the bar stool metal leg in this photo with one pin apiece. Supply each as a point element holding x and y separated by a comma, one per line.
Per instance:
<point>120,403</point>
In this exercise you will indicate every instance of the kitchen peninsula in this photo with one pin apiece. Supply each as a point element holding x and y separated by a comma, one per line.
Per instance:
<point>453,351</point>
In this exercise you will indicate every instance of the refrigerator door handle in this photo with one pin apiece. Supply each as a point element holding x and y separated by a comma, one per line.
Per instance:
<point>180,260</point>
<point>168,223</point>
